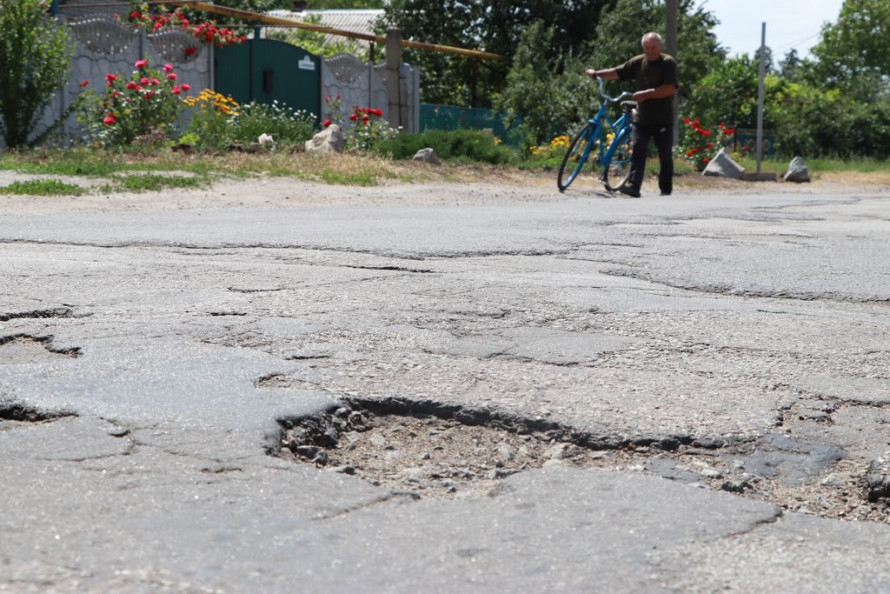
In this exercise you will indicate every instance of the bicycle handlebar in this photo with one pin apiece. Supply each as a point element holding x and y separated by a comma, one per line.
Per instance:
<point>620,97</point>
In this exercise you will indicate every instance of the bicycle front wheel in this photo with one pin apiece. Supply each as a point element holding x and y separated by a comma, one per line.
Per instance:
<point>576,156</point>
<point>616,169</point>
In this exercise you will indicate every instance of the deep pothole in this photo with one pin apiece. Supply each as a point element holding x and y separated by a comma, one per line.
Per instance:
<point>435,450</point>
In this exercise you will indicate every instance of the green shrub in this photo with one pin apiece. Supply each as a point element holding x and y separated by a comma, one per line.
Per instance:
<point>458,145</point>
<point>285,125</point>
<point>145,106</point>
<point>35,55</point>
<point>219,122</point>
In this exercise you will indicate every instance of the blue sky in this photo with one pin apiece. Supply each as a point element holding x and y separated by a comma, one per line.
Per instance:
<point>789,23</point>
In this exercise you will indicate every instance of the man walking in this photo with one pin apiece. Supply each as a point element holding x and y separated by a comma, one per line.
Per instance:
<point>655,75</point>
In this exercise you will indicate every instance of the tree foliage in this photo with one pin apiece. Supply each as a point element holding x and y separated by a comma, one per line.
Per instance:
<point>490,25</point>
<point>857,44</point>
<point>35,56</point>
<point>543,97</point>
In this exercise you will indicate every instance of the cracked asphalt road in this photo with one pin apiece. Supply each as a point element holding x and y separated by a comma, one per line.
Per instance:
<point>178,332</point>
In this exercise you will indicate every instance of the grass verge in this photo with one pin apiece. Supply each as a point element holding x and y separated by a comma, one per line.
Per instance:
<point>42,187</point>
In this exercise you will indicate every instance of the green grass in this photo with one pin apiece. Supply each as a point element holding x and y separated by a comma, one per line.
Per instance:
<point>153,183</point>
<point>42,187</point>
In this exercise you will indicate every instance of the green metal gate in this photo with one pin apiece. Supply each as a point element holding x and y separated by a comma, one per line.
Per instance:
<point>266,70</point>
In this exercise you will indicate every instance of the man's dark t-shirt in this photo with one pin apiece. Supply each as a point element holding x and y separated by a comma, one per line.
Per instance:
<point>649,75</point>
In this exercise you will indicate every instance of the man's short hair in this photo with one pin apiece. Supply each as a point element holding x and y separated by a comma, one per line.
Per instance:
<point>651,35</point>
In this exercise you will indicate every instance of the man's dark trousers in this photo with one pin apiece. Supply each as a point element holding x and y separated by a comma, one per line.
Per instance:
<point>664,140</point>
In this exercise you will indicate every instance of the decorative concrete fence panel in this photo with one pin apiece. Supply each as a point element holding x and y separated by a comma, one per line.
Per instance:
<point>364,85</point>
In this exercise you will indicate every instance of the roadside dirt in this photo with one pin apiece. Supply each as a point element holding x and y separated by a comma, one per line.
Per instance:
<point>445,185</point>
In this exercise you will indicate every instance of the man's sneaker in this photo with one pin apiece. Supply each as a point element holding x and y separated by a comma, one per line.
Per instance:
<point>627,190</point>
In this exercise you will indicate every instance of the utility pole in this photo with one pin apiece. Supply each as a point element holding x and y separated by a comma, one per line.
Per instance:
<point>670,29</point>
<point>760,93</point>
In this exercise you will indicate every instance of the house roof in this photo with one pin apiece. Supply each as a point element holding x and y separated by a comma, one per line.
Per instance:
<point>352,20</point>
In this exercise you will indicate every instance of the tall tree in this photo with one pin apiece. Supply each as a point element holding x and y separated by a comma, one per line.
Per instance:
<point>490,25</point>
<point>857,43</point>
<point>35,56</point>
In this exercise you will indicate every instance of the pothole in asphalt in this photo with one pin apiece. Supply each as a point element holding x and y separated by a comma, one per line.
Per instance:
<point>440,451</point>
<point>434,450</point>
<point>24,348</point>
<point>11,411</point>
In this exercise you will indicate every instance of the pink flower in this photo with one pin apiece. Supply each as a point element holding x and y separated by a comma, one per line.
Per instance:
<point>172,76</point>
<point>168,68</point>
<point>154,82</point>
<point>176,90</point>
<point>110,77</point>
<point>143,81</point>
<point>141,63</point>
<point>109,120</point>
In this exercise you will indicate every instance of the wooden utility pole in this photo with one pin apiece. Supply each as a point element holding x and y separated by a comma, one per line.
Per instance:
<point>393,84</point>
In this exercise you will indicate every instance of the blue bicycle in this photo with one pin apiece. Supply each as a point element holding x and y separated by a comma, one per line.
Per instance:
<point>610,141</point>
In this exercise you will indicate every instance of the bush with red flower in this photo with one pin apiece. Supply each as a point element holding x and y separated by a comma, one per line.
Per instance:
<point>146,103</point>
<point>699,145</point>
<point>367,126</point>
<point>159,18</point>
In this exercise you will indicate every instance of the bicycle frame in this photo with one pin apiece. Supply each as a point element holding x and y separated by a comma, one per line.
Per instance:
<point>594,134</point>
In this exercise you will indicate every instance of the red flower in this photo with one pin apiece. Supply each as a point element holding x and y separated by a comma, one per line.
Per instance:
<point>172,76</point>
<point>191,50</point>
<point>176,90</point>
<point>131,85</point>
<point>168,68</point>
<point>326,123</point>
<point>353,116</point>
<point>83,83</point>
<point>186,87</point>
<point>366,118</point>
<point>110,77</point>
<point>378,112</point>
<point>141,63</point>
<point>109,120</point>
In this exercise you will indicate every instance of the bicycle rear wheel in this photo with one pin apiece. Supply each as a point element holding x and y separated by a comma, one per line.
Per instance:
<point>576,156</point>
<point>616,170</point>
